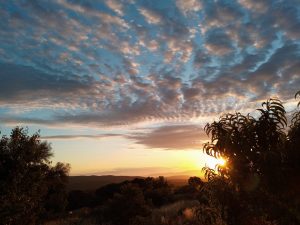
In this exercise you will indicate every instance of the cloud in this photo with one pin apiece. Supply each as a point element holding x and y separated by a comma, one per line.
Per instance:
<point>256,6</point>
<point>177,137</point>
<point>219,14</point>
<point>279,72</point>
<point>286,18</point>
<point>115,6</point>
<point>91,12</point>
<point>183,49</point>
<point>201,59</point>
<point>191,93</point>
<point>187,6</point>
<point>23,120</point>
<point>150,16</point>
<point>79,136</point>
<point>218,42</point>
<point>24,84</point>
<point>107,63</point>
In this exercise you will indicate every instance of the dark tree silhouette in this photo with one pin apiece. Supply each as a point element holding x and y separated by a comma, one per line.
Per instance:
<point>293,147</point>
<point>106,192</point>
<point>252,146</point>
<point>29,185</point>
<point>195,182</point>
<point>78,199</point>
<point>262,169</point>
<point>125,206</point>
<point>56,199</point>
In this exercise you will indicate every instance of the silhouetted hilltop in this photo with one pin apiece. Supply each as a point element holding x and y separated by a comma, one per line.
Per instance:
<point>93,182</point>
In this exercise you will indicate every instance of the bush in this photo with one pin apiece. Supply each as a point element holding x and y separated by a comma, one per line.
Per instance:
<point>29,185</point>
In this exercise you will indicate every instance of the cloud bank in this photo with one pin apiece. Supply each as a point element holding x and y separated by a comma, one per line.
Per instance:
<point>106,63</point>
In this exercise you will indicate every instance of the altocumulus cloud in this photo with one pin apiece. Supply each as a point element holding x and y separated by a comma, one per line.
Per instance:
<point>106,63</point>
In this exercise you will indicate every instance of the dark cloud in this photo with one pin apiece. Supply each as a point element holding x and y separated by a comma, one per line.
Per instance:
<point>16,120</point>
<point>201,58</point>
<point>191,93</point>
<point>25,83</point>
<point>222,13</point>
<point>218,42</point>
<point>178,137</point>
<point>282,57</point>
<point>80,136</point>
<point>280,72</point>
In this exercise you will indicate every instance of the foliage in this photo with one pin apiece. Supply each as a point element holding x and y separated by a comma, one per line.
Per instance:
<point>78,199</point>
<point>251,146</point>
<point>29,185</point>
<point>126,205</point>
<point>195,182</point>
<point>293,142</point>
<point>263,156</point>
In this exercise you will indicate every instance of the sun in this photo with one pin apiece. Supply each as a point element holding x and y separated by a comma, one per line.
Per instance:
<point>212,162</point>
<point>221,162</point>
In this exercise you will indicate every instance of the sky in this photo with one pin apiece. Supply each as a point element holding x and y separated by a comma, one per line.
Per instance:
<point>125,87</point>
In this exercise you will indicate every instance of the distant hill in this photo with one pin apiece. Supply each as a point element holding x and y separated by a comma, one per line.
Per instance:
<point>87,183</point>
<point>93,182</point>
<point>178,180</point>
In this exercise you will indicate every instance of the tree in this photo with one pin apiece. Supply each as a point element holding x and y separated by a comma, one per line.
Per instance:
<point>56,199</point>
<point>261,175</point>
<point>252,146</point>
<point>195,182</point>
<point>126,206</point>
<point>28,182</point>
<point>293,145</point>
